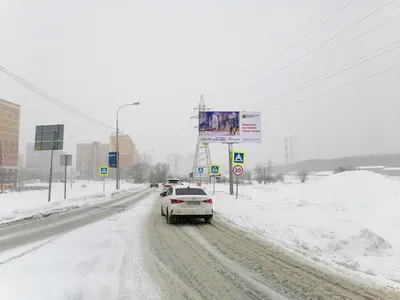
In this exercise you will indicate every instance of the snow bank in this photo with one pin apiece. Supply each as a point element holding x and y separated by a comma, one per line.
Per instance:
<point>348,221</point>
<point>16,206</point>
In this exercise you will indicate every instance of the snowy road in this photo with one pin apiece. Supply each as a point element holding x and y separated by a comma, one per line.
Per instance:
<point>22,233</point>
<point>217,261</point>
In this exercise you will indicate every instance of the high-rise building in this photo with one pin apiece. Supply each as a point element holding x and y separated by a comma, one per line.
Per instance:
<point>38,161</point>
<point>176,164</point>
<point>9,141</point>
<point>188,164</point>
<point>89,157</point>
<point>128,154</point>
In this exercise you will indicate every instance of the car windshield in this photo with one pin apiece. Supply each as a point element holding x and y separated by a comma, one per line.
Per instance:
<point>189,191</point>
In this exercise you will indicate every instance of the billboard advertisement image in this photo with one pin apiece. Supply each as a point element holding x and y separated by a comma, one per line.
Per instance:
<point>230,127</point>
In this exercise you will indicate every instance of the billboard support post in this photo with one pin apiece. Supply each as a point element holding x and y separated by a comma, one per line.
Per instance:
<point>230,169</point>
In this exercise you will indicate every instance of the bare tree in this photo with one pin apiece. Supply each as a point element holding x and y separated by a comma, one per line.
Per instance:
<point>137,172</point>
<point>247,175</point>
<point>259,173</point>
<point>303,176</point>
<point>159,173</point>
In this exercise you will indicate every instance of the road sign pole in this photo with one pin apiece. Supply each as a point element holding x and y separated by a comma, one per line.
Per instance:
<point>237,186</point>
<point>51,168</point>
<point>214,186</point>
<point>65,177</point>
<point>104,185</point>
<point>230,169</point>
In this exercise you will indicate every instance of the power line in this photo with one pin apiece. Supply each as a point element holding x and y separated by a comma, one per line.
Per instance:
<point>52,99</point>
<point>306,35</point>
<point>325,76</point>
<point>341,46</point>
<point>338,87</point>
<point>317,47</point>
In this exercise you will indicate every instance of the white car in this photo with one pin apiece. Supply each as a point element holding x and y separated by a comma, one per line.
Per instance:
<point>186,201</point>
<point>170,182</point>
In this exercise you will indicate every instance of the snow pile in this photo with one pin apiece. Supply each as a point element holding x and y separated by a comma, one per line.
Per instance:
<point>348,221</point>
<point>18,206</point>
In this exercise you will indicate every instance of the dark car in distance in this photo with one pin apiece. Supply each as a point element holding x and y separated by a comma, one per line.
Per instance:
<point>153,184</point>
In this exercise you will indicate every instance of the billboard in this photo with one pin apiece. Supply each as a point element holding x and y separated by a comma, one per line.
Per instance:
<point>229,127</point>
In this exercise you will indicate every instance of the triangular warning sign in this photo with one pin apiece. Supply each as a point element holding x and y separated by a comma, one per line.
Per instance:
<point>239,157</point>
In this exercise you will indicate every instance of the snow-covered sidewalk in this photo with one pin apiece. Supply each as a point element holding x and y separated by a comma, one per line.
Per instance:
<point>348,221</point>
<point>103,260</point>
<point>16,206</point>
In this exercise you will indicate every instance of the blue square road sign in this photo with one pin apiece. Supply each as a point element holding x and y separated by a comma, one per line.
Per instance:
<point>238,157</point>
<point>200,170</point>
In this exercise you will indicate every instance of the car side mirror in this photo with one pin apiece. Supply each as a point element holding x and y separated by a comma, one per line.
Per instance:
<point>163,194</point>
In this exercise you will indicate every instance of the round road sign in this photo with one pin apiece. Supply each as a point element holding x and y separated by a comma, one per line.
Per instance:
<point>237,170</point>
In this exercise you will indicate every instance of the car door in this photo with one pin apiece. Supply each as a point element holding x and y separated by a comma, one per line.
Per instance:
<point>165,200</point>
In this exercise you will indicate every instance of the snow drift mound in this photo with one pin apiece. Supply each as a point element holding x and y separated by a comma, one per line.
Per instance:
<point>365,243</point>
<point>358,179</point>
<point>349,187</point>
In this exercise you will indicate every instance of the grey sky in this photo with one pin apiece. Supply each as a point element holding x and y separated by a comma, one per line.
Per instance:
<point>97,55</point>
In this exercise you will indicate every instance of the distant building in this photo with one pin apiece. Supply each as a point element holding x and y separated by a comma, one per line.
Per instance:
<point>176,163</point>
<point>188,164</point>
<point>9,140</point>
<point>128,154</point>
<point>38,161</point>
<point>89,157</point>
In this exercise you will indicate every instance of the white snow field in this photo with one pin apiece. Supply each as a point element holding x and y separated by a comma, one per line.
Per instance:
<point>102,260</point>
<point>16,206</point>
<point>348,221</point>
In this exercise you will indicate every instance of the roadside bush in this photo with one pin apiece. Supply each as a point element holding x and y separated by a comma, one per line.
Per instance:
<point>302,175</point>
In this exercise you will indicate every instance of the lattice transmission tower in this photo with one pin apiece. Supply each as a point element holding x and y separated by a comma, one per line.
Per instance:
<point>202,157</point>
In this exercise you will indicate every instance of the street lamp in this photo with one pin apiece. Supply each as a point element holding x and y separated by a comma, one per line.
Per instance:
<point>117,145</point>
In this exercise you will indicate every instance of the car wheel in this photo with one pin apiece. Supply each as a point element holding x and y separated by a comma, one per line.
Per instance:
<point>170,219</point>
<point>162,212</point>
<point>208,220</point>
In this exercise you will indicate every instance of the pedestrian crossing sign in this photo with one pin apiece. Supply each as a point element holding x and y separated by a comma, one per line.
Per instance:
<point>103,171</point>
<point>238,157</point>
<point>200,170</point>
<point>214,169</point>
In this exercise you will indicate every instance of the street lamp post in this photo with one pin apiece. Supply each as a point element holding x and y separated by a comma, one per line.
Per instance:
<point>117,142</point>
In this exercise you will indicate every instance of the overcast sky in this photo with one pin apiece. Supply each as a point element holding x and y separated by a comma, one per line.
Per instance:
<point>96,55</point>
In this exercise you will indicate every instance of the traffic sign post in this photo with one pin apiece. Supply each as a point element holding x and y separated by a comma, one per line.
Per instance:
<point>103,172</point>
<point>214,171</point>
<point>237,171</point>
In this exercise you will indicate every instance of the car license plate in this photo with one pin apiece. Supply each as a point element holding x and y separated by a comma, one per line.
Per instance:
<point>193,203</point>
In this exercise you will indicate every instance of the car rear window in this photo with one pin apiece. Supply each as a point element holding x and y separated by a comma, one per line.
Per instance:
<point>173,181</point>
<point>189,191</point>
